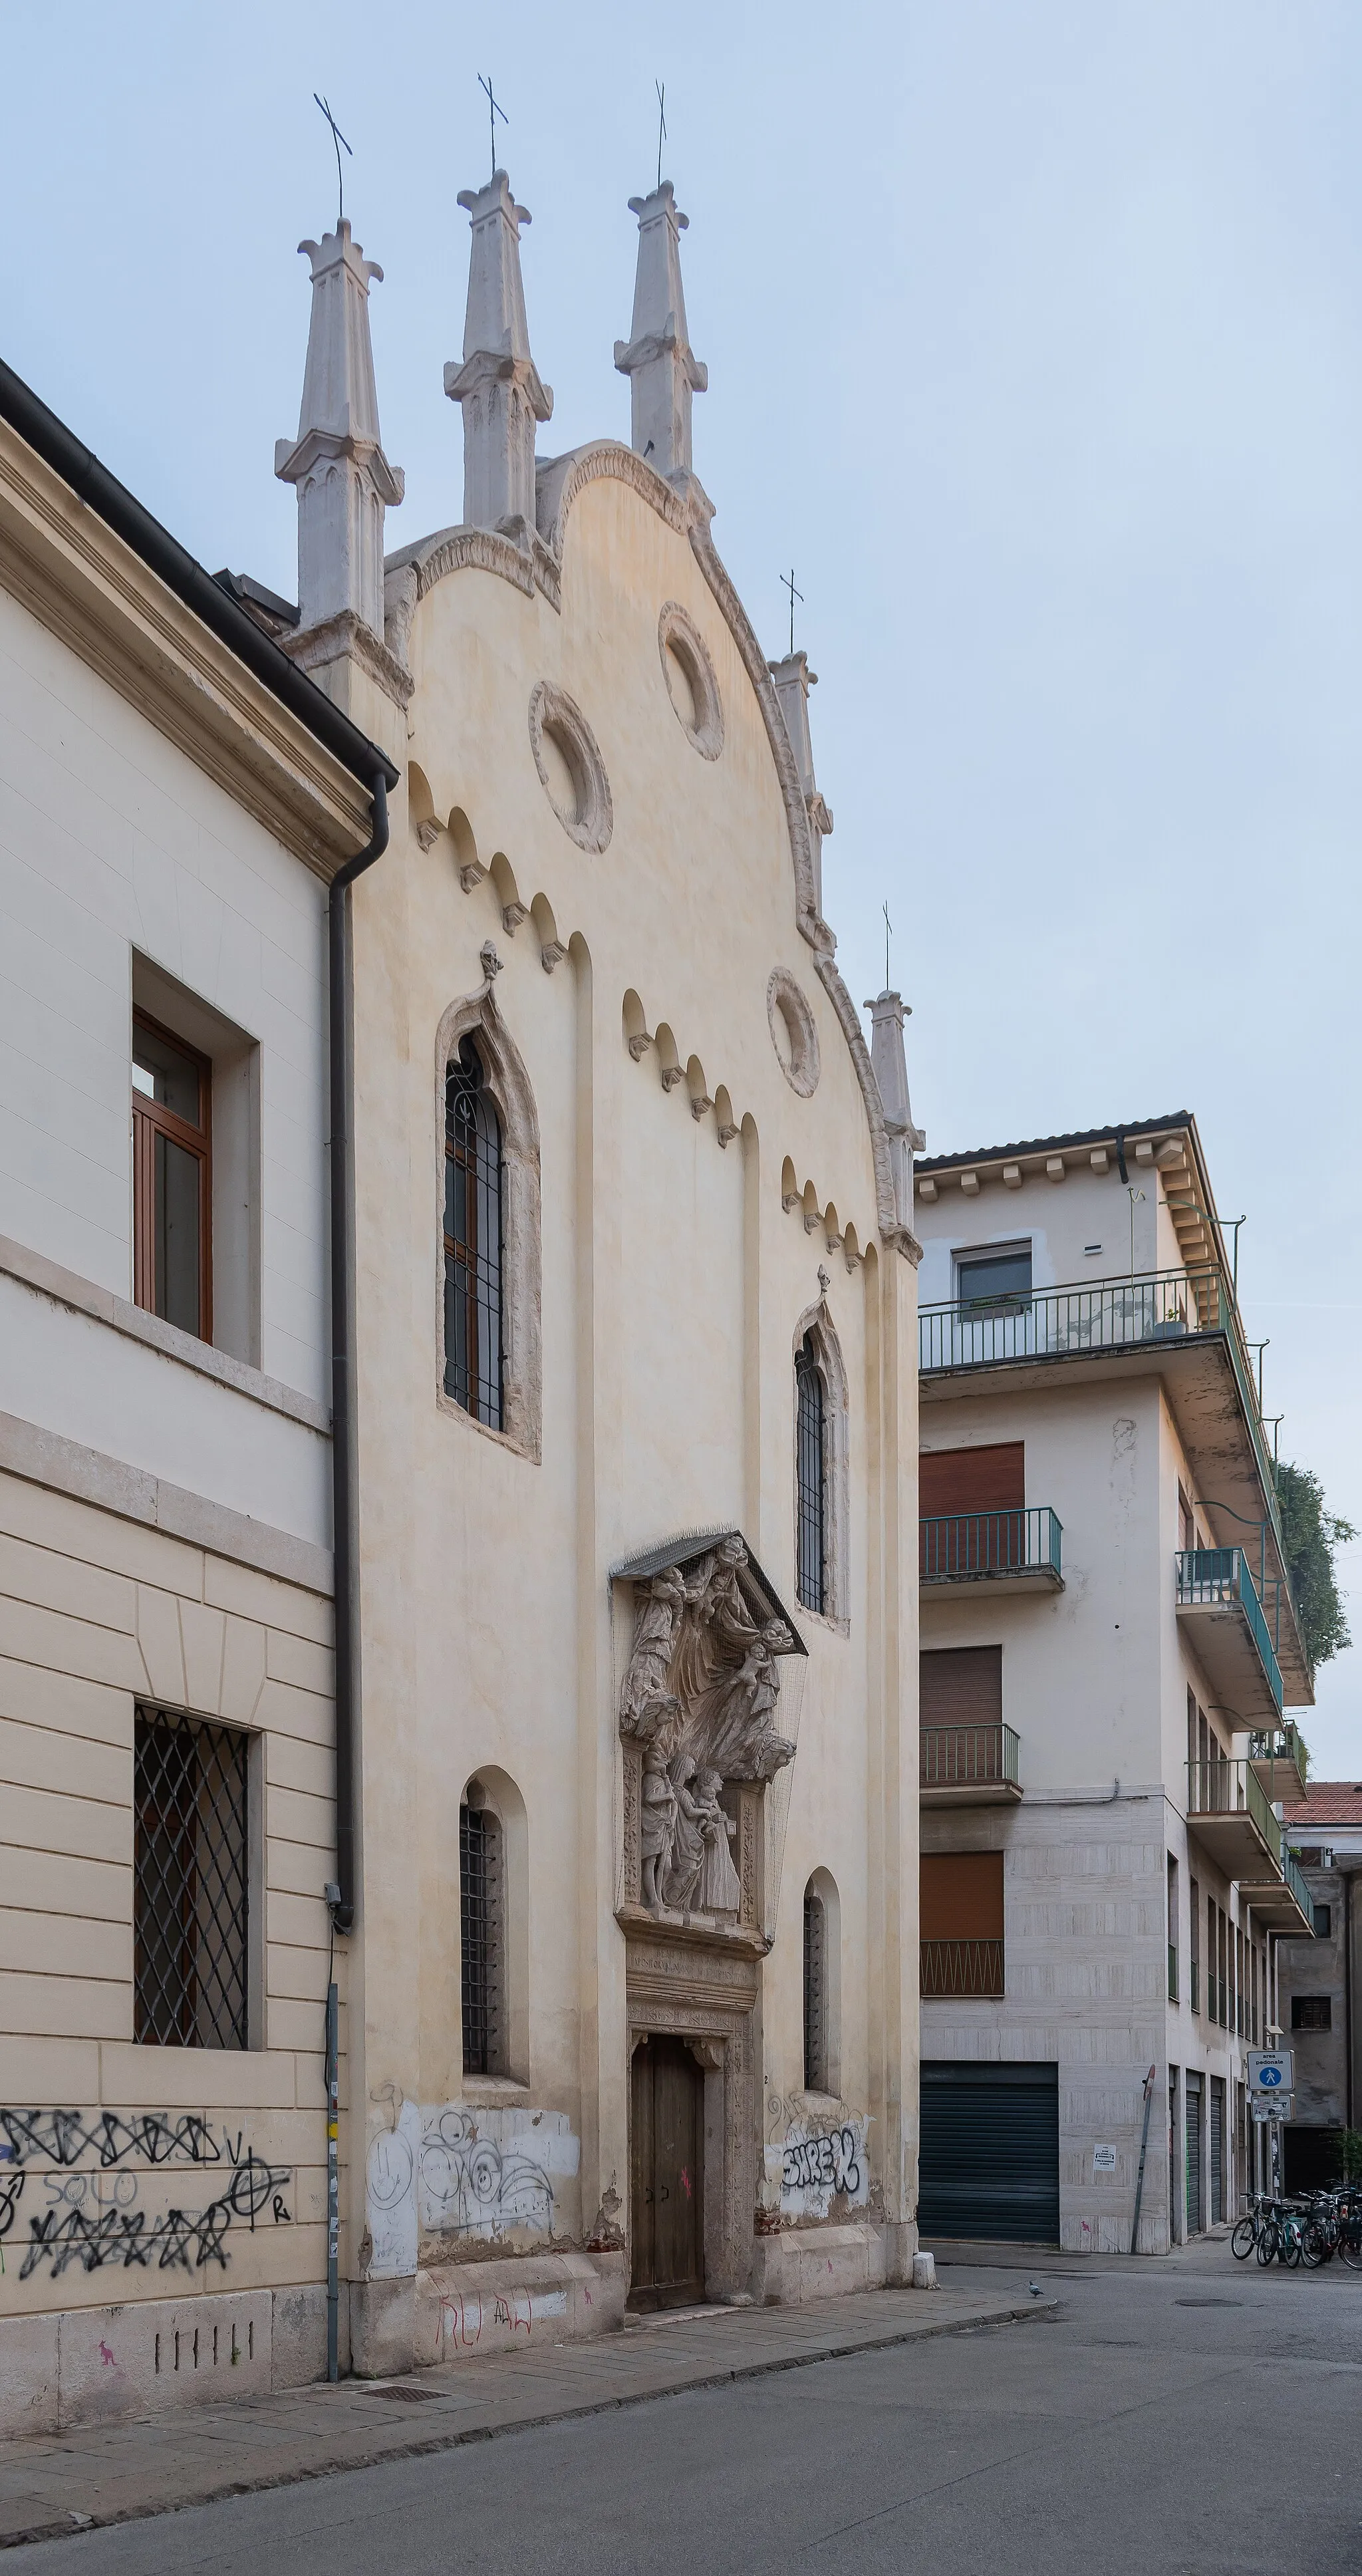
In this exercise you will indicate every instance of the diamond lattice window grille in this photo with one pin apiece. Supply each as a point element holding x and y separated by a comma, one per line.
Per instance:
<point>190,1882</point>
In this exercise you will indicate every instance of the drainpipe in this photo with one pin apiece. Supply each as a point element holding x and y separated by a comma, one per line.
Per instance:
<point>1348,2120</point>
<point>344,1446</point>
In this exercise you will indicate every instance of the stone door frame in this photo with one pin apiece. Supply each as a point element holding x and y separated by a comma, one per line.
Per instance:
<point>685,1988</point>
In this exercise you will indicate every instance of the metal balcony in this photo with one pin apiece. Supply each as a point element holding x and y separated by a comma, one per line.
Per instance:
<point>961,1968</point>
<point>1282,1901</point>
<point>1010,1551</point>
<point>1229,1814</point>
<point>1065,1323</point>
<point>968,1766</point>
<point>1218,1599</point>
<point>1282,1762</point>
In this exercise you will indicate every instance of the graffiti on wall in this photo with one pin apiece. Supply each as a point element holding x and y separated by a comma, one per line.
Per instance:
<point>65,2210</point>
<point>814,2158</point>
<point>443,2169</point>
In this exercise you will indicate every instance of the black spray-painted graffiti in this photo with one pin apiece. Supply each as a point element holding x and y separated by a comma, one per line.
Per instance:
<point>827,2163</point>
<point>113,2137</point>
<point>92,2222</point>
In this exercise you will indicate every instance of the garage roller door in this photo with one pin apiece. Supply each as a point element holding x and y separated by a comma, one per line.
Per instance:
<point>989,2163</point>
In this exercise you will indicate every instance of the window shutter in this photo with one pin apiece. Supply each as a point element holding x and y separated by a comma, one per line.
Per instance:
<point>962,1896</point>
<point>961,1686</point>
<point>972,1480</point>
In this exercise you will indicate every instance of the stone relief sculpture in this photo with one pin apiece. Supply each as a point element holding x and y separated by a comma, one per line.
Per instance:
<point>700,1700</point>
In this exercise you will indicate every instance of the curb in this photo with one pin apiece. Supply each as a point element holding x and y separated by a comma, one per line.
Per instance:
<point>456,2438</point>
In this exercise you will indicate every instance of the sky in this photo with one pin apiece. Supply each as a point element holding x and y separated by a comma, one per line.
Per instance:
<point>1033,346</point>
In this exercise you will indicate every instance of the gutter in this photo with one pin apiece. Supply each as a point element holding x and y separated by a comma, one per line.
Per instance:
<point>182,574</point>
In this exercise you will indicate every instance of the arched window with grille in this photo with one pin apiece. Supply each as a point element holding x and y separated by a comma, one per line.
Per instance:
<point>811,1476</point>
<point>481,1934</point>
<point>815,1992</point>
<point>474,1227</point>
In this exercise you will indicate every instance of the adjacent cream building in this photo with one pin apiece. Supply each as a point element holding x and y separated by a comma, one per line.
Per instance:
<point>177,800</point>
<point>1108,1644</point>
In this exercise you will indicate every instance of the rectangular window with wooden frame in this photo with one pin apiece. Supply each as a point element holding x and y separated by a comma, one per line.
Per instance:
<point>172,1179</point>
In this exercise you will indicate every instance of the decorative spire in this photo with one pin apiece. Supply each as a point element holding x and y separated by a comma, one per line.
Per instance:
<point>343,479</point>
<point>498,383</point>
<point>887,1015</point>
<point>793,680</point>
<point>657,358</point>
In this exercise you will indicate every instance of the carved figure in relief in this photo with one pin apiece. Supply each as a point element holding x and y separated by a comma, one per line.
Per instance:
<point>657,1825</point>
<point>720,1892</point>
<point>688,1843</point>
<point>646,1698</point>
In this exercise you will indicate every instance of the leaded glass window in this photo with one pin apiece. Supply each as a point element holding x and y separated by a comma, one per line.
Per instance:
<point>815,1993</point>
<point>480,1934</point>
<point>474,1230</point>
<point>811,1476</point>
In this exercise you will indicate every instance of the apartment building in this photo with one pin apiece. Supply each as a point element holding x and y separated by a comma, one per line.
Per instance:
<point>176,800</point>
<point>1108,1652</point>
<point>1320,1991</point>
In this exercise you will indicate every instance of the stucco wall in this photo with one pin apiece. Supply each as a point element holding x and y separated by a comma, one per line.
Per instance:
<point>114,842</point>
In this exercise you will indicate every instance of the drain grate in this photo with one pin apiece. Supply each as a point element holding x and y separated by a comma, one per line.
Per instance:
<point>404,2396</point>
<point>1208,2303</point>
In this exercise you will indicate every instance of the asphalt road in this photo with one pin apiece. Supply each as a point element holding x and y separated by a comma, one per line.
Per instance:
<point>1179,2418</point>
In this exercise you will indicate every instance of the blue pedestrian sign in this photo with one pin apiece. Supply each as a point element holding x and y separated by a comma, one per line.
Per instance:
<point>1270,2070</point>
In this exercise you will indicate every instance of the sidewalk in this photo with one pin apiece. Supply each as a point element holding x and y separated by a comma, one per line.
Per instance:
<point>70,2481</point>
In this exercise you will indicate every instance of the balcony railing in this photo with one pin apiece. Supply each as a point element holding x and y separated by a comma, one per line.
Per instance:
<point>1225,1787</point>
<point>1055,1323</point>
<point>962,1968</point>
<point>967,1757</point>
<point>1281,1759</point>
<point>1209,1578</point>
<point>964,1547</point>
<point>1295,1879</point>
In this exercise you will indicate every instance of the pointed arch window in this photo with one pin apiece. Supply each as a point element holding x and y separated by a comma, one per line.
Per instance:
<point>811,1476</point>
<point>474,1228</point>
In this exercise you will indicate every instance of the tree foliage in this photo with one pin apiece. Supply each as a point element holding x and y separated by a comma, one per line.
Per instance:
<point>1311,1534</point>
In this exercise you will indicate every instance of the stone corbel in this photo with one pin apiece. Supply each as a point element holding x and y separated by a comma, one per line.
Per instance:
<point>552,954</point>
<point>512,915</point>
<point>671,1075</point>
<point>727,1132</point>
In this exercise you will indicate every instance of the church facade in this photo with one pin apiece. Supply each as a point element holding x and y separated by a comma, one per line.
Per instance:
<point>630,1998</point>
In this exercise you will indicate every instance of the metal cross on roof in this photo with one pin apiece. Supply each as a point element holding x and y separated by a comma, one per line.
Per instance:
<point>494,110</point>
<point>661,89</point>
<point>787,582</point>
<point>888,926</point>
<point>338,139</point>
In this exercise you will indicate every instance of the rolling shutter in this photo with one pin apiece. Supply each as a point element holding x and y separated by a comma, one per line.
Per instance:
<point>961,1896</point>
<point>989,2161</point>
<point>972,1480</point>
<point>961,1686</point>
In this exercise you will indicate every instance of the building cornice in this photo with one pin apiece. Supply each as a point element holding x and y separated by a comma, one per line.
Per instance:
<point>89,588</point>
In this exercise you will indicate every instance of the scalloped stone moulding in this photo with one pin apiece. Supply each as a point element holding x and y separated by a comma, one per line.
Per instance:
<point>571,770</point>
<point>793,1033</point>
<point>691,684</point>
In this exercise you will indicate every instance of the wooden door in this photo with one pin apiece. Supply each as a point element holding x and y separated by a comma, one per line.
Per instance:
<point>665,2154</point>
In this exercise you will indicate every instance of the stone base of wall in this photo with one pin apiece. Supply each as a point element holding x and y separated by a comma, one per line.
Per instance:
<point>454,2310</point>
<point>805,2263</point>
<point>152,2356</point>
